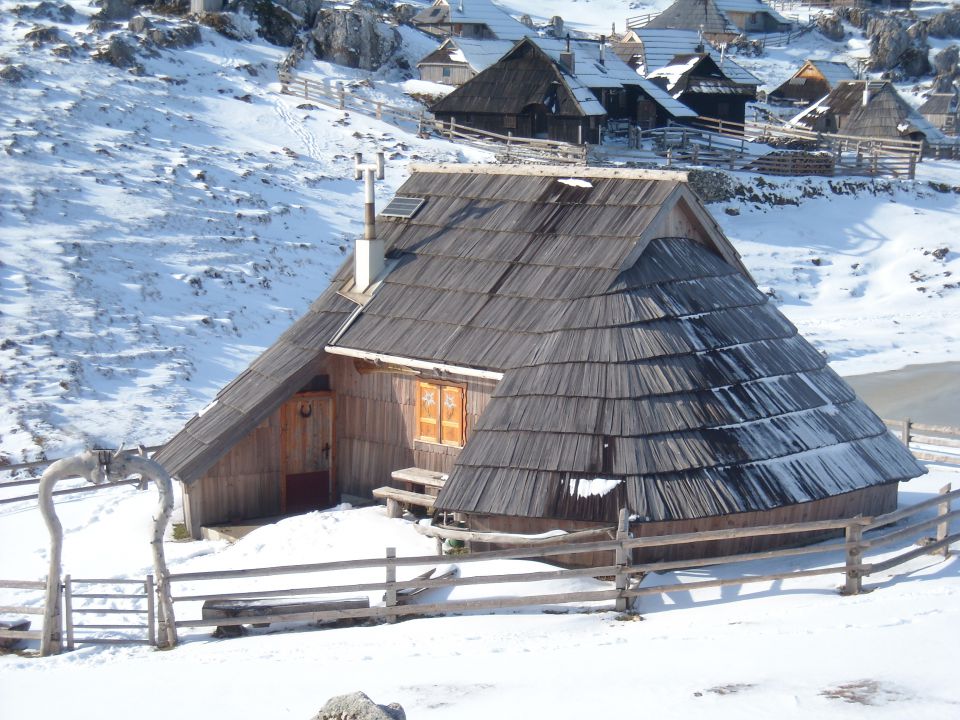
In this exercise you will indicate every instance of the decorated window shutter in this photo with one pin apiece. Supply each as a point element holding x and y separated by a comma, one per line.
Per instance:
<point>451,416</point>
<point>428,411</point>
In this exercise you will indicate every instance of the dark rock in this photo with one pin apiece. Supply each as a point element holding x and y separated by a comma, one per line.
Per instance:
<point>711,185</point>
<point>830,27</point>
<point>527,21</point>
<point>51,11</point>
<point>139,23</point>
<point>357,706</point>
<point>355,38</point>
<point>947,60</point>
<point>40,36</point>
<point>12,74</point>
<point>174,37</point>
<point>277,24</point>
<point>403,13</point>
<point>555,27</point>
<point>224,23</point>
<point>945,24</point>
<point>115,9</point>
<point>64,51</point>
<point>894,45</point>
<point>117,52</point>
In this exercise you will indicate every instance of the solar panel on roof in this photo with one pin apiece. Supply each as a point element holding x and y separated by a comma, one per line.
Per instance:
<point>402,207</point>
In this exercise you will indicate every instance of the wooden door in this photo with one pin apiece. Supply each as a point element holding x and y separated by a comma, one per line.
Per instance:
<point>307,456</point>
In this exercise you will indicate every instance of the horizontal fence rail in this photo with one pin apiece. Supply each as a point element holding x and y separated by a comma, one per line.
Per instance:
<point>938,444</point>
<point>508,147</point>
<point>266,606</point>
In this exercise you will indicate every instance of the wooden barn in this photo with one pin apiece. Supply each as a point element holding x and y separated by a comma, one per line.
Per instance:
<point>942,110</point>
<point>698,82</point>
<point>480,19</point>
<point>720,20</point>
<point>814,80</point>
<point>648,50</point>
<point>561,343</point>
<point>559,91</point>
<point>458,60</point>
<point>867,108</point>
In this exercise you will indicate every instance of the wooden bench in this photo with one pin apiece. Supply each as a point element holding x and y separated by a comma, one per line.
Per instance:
<point>256,610</point>
<point>397,498</point>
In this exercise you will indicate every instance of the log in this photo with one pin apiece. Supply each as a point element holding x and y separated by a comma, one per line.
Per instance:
<point>446,533</point>
<point>261,612</point>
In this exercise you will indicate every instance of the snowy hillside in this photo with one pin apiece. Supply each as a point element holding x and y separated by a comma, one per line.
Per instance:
<point>160,225</point>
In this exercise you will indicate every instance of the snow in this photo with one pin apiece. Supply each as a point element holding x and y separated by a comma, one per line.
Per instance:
<point>158,231</point>
<point>596,487</point>
<point>575,182</point>
<point>758,650</point>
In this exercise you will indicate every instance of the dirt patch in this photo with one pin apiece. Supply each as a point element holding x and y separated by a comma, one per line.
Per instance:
<point>728,689</point>
<point>865,692</point>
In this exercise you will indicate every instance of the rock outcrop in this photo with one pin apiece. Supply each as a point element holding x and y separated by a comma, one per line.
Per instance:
<point>357,706</point>
<point>355,38</point>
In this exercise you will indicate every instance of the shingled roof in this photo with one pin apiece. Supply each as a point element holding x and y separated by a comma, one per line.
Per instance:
<point>638,369</point>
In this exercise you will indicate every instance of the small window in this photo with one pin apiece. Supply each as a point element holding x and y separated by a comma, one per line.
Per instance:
<point>440,413</point>
<point>446,72</point>
<point>510,122</point>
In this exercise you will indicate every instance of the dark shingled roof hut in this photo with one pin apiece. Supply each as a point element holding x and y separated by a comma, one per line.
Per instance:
<point>607,349</point>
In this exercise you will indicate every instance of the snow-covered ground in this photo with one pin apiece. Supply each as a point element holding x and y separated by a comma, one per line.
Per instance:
<point>790,649</point>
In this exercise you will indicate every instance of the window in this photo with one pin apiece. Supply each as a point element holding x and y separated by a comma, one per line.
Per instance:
<point>446,72</point>
<point>510,122</point>
<point>440,413</point>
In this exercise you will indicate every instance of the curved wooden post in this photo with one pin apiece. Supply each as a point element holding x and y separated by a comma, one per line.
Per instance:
<point>100,467</point>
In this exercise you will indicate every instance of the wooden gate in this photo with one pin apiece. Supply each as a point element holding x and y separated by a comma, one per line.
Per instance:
<point>121,617</point>
<point>307,453</point>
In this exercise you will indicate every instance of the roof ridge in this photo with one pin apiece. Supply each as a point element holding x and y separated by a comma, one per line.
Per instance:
<point>678,176</point>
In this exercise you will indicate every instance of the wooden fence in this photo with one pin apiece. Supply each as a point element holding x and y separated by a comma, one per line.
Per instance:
<point>627,576</point>
<point>11,634</point>
<point>507,147</point>
<point>933,443</point>
<point>91,589</point>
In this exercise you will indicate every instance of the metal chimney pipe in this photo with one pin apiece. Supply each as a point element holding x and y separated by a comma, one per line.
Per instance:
<point>368,261</point>
<point>568,42</point>
<point>357,165</point>
<point>380,165</point>
<point>866,93</point>
<point>603,54</point>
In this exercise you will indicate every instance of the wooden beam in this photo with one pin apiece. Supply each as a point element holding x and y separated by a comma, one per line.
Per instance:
<point>550,171</point>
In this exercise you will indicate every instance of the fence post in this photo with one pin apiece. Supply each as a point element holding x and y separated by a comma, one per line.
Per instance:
<point>390,598</point>
<point>912,171</point>
<point>52,638</point>
<point>622,560</point>
<point>306,89</point>
<point>379,111</point>
<point>905,433</point>
<point>943,529</point>
<point>854,581</point>
<point>151,611</point>
<point>68,609</point>
<point>341,96</point>
<point>284,83</point>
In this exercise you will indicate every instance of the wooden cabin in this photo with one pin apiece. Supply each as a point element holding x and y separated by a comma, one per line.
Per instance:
<point>942,110</point>
<point>561,342</point>
<point>720,20</point>
<point>479,19</point>
<point>458,60</point>
<point>648,50</point>
<point>558,90</point>
<point>870,109</point>
<point>815,79</point>
<point>698,82</point>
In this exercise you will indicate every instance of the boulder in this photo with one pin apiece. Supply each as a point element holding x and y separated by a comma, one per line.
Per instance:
<point>118,52</point>
<point>947,60</point>
<point>40,35</point>
<point>12,74</point>
<point>355,38</point>
<point>945,25</point>
<point>115,9</point>
<point>139,24</point>
<point>893,45</point>
<point>526,21</point>
<point>830,27</point>
<point>51,11</point>
<point>186,35</point>
<point>277,24</point>
<point>555,27</point>
<point>357,706</point>
<point>227,24</point>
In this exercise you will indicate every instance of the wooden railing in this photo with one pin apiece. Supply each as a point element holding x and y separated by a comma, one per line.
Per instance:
<point>11,634</point>
<point>638,21</point>
<point>627,575</point>
<point>507,147</point>
<point>938,443</point>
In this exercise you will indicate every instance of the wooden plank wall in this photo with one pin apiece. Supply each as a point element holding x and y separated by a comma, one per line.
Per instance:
<point>244,483</point>
<point>375,426</point>
<point>867,502</point>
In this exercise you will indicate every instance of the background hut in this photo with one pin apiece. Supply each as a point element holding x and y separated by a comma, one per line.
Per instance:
<point>559,91</point>
<point>814,80</point>
<point>699,83</point>
<point>942,110</point>
<point>480,19</point>
<point>563,342</point>
<point>867,108</point>
<point>720,20</point>
<point>648,50</point>
<point>458,60</point>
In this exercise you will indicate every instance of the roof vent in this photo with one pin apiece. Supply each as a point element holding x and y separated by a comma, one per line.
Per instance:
<point>567,58</point>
